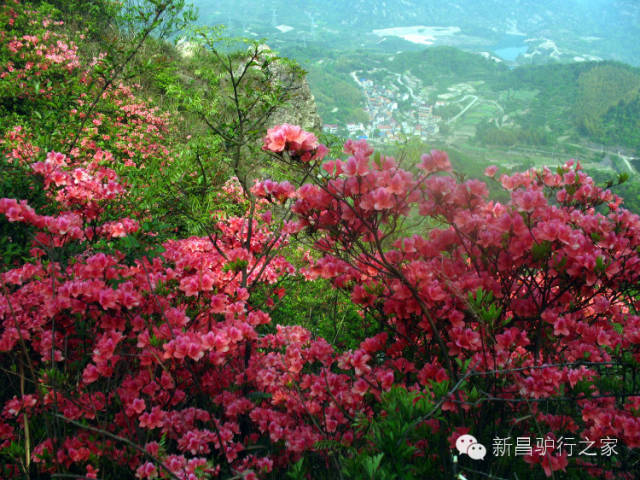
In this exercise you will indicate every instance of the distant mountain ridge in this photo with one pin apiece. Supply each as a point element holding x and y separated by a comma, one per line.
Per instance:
<point>605,28</point>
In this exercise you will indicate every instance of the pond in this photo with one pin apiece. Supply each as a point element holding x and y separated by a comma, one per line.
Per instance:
<point>510,47</point>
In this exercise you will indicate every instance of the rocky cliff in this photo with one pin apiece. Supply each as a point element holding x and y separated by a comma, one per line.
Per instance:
<point>301,108</point>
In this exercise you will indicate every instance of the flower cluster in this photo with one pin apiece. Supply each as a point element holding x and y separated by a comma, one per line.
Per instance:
<point>295,141</point>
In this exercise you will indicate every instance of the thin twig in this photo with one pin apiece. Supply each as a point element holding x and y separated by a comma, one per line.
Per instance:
<point>118,438</point>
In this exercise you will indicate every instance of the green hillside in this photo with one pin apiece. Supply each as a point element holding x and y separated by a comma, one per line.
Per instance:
<point>447,64</point>
<point>531,104</point>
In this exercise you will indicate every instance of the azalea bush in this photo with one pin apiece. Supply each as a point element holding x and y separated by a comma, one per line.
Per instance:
<point>90,397</point>
<point>127,354</point>
<point>526,310</point>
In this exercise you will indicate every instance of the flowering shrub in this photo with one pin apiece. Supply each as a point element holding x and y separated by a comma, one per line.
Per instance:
<point>507,304</point>
<point>153,367</point>
<point>158,349</point>
<point>57,103</point>
<point>39,66</point>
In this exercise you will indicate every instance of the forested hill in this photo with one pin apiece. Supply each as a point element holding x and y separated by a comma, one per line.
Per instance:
<point>597,100</point>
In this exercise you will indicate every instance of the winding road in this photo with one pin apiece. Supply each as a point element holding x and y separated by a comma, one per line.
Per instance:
<point>462,112</point>
<point>624,158</point>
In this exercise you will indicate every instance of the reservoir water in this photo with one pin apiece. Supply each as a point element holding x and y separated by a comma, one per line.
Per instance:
<point>510,47</point>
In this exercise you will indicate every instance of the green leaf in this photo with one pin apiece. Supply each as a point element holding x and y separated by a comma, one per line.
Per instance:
<point>541,251</point>
<point>296,471</point>
<point>473,394</point>
<point>372,464</point>
<point>235,266</point>
<point>377,159</point>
